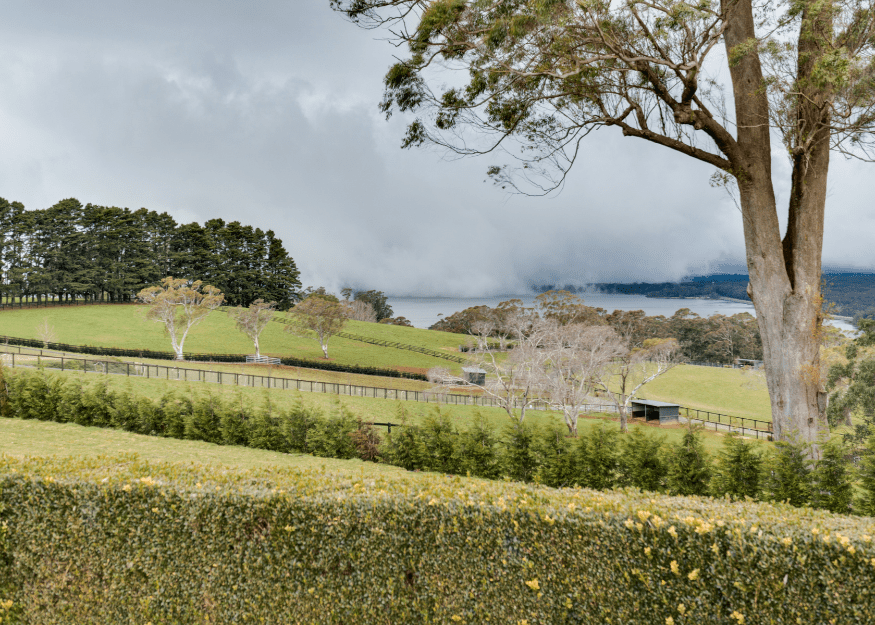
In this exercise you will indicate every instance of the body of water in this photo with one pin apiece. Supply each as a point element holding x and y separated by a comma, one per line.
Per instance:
<point>426,311</point>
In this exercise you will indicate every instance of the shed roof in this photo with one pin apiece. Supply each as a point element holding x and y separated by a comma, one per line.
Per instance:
<point>655,404</point>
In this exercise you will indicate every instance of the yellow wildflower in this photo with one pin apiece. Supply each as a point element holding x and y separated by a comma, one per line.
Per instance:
<point>533,584</point>
<point>738,616</point>
<point>671,530</point>
<point>682,609</point>
<point>647,551</point>
<point>456,617</point>
<point>694,575</point>
<point>674,567</point>
<point>669,620</point>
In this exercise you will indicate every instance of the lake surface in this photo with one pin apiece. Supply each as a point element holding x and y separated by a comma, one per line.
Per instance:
<point>426,311</point>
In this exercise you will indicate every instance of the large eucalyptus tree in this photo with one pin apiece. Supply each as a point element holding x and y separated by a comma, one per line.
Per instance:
<point>544,73</point>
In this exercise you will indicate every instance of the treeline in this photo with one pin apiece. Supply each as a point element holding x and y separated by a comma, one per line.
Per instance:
<point>108,254</point>
<point>600,459</point>
<point>731,289</point>
<point>846,294</point>
<point>718,338</point>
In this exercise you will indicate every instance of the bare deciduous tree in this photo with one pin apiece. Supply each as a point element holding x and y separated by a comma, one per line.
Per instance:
<point>318,318</point>
<point>575,358</point>
<point>180,305</point>
<point>513,379</point>
<point>633,368</point>
<point>546,74</point>
<point>359,310</point>
<point>45,332</point>
<point>253,320</point>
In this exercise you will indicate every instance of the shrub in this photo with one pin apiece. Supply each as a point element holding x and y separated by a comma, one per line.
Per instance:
<point>330,437</point>
<point>641,461</point>
<point>866,503</point>
<point>558,462</point>
<point>169,544</point>
<point>366,441</point>
<point>438,439</point>
<point>519,459</point>
<point>688,465</point>
<point>832,489</point>
<point>597,458</point>
<point>738,469</point>
<point>787,473</point>
<point>403,445</point>
<point>296,423</point>
<point>477,450</point>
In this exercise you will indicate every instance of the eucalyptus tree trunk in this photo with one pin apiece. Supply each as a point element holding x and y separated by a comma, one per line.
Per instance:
<point>784,274</point>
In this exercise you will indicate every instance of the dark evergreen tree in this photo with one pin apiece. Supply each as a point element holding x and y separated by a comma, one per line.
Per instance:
<point>787,475</point>
<point>597,458</point>
<point>866,503</point>
<point>558,462</point>
<point>833,487</point>
<point>689,466</point>
<point>738,469</point>
<point>519,457</point>
<point>102,253</point>
<point>641,461</point>
<point>378,300</point>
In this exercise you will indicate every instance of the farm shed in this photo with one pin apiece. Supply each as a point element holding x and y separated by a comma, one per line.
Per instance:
<point>474,375</point>
<point>650,410</point>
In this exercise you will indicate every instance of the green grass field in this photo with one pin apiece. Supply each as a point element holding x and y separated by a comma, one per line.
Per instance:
<point>40,439</point>
<point>127,327</point>
<point>729,391</point>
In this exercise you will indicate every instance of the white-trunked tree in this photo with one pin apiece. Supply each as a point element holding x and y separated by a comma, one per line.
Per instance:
<point>547,72</point>
<point>180,305</point>
<point>252,320</point>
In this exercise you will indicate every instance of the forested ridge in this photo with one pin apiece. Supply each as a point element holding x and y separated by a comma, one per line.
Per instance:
<point>105,253</point>
<point>846,294</point>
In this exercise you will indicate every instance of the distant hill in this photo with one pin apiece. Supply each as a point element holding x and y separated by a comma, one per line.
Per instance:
<point>851,294</point>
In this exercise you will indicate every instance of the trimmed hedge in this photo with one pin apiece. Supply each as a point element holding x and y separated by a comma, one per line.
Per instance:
<point>194,357</point>
<point>333,366</point>
<point>118,540</point>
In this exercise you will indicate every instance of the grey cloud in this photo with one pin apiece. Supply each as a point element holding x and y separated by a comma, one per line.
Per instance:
<point>268,115</point>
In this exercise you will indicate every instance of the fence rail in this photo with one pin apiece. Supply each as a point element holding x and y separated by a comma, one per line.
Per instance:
<point>721,422</point>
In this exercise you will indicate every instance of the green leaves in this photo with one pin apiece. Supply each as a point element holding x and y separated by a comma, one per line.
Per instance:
<point>174,543</point>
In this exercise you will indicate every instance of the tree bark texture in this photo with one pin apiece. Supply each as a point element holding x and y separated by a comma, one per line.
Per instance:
<point>784,274</point>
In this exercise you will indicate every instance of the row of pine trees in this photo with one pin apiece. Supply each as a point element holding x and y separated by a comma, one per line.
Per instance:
<point>600,458</point>
<point>101,253</point>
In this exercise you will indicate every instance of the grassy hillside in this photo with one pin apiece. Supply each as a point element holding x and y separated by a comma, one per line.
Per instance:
<point>126,327</point>
<point>735,392</point>
<point>21,438</point>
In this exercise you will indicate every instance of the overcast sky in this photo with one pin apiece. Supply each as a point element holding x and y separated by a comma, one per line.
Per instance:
<point>266,113</point>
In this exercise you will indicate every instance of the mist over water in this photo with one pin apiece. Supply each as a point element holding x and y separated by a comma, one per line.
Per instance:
<point>423,312</point>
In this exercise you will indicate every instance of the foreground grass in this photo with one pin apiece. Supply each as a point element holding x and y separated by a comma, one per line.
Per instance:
<point>21,439</point>
<point>127,327</point>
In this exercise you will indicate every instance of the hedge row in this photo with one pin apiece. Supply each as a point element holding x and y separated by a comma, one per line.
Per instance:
<point>599,459</point>
<point>333,366</point>
<point>117,540</point>
<point>189,356</point>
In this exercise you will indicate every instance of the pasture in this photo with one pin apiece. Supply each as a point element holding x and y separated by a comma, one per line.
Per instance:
<point>126,327</point>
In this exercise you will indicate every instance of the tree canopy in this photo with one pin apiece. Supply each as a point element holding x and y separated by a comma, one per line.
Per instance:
<point>109,254</point>
<point>537,76</point>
